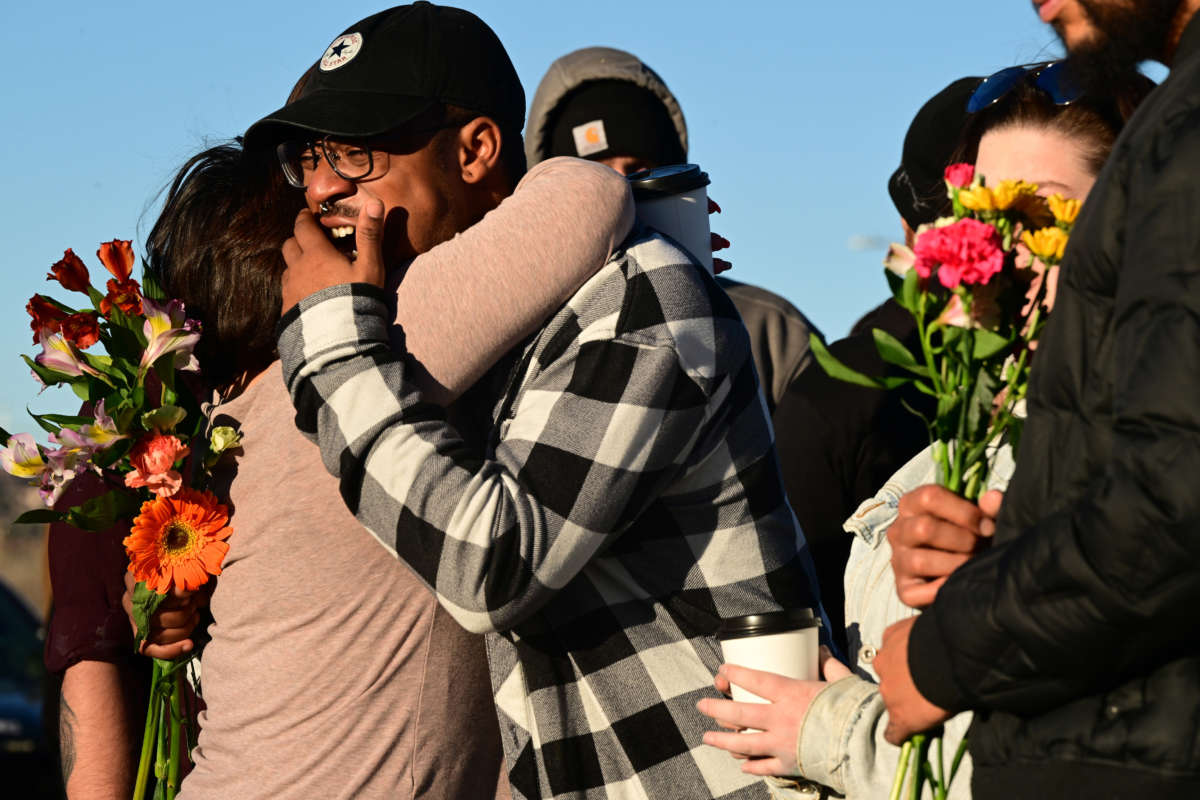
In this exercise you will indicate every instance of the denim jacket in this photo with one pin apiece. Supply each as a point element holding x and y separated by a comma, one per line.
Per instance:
<point>841,742</point>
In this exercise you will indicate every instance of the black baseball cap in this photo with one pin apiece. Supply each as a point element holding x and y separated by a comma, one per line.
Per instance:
<point>392,66</point>
<point>917,187</point>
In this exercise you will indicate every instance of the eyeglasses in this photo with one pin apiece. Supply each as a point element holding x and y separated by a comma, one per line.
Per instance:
<point>1049,77</point>
<point>300,160</point>
<point>353,161</point>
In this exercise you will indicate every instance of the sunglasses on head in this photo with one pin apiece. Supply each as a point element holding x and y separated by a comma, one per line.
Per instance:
<point>1050,77</point>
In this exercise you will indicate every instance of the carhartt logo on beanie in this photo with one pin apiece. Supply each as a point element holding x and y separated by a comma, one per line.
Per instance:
<point>615,118</point>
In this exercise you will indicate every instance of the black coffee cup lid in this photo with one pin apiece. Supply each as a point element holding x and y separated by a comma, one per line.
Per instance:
<point>648,184</point>
<point>764,624</point>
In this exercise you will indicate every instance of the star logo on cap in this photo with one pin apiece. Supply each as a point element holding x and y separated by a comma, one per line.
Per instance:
<point>341,51</point>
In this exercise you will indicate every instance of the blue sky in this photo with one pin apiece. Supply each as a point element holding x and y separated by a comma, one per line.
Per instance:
<point>796,110</point>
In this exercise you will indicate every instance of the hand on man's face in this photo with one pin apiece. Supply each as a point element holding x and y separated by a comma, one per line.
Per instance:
<point>313,263</point>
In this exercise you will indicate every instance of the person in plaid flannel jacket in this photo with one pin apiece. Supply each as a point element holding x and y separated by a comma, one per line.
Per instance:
<point>628,496</point>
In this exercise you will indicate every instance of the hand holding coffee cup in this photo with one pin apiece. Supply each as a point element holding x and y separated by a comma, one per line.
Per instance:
<point>783,642</point>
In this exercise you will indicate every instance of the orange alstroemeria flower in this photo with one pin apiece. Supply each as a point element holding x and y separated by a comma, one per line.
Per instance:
<point>70,272</point>
<point>81,329</point>
<point>178,541</point>
<point>125,295</point>
<point>117,258</point>
<point>46,316</point>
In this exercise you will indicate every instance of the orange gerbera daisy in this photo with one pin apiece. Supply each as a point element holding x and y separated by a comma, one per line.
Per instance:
<point>177,540</point>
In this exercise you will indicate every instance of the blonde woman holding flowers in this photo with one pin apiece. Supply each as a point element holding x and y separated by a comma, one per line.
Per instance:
<point>1031,127</point>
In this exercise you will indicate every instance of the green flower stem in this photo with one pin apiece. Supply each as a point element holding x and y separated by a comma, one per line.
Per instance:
<point>958,757</point>
<point>940,788</point>
<point>937,377</point>
<point>176,735</point>
<point>160,711</point>
<point>148,737</point>
<point>901,770</point>
<point>916,783</point>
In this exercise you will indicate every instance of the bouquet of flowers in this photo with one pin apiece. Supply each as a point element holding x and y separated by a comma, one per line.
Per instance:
<point>139,424</point>
<point>979,302</point>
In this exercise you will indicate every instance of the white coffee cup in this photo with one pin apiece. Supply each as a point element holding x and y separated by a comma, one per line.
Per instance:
<point>674,200</point>
<point>783,642</point>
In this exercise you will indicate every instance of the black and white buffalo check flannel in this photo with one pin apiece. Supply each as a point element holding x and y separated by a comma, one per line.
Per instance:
<point>628,500</point>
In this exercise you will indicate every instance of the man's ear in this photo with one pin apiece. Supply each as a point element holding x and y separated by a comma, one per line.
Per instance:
<point>479,149</point>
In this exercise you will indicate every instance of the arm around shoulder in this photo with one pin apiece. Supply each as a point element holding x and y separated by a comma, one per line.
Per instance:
<point>469,300</point>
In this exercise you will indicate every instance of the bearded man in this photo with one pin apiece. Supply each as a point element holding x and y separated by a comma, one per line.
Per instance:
<point>1074,637</point>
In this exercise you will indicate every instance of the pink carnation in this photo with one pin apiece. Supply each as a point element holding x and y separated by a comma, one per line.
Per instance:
<point>153,458</point>
<point>966,252</point>
<point>960,175</point>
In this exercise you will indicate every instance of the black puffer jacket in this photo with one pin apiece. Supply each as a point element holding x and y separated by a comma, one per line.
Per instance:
<point>1077,637</point>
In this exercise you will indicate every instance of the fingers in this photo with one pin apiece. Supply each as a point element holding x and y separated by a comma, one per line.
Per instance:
<point>722,684</point>
<point>942,503</point>
<point>729,714</point>
<point>765,766</point>
<point>291,253</point>
<point>713,208</point>
<point>895,733</point>
<point>721,265</point>
<point>766,685</point>
<point>990,504</point>
<point>368,239</point>
<point>743,744</point>
<point>167,652</point>
<point>309,234</point>
<point>930,531</point>
<point>918,593</point>
<point>925,562</point>
<point>831,668</point>
<point>718,241</point>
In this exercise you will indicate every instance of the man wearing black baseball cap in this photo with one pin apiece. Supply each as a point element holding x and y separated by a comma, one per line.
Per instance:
<point>627,496</point>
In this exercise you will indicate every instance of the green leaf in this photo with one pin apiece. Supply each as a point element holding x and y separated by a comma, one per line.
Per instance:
<point>112,454</point>
<point>893,351</point>
<point>150,286</point>
<point>123,341</point>
<point>910,290</point>
<point>836,369</point>
<point>65,419</point>
<point>39,516</point>
<point>48,427</point>
<point>47,376</point>
<point>145,603</point>
<point>98,363</point>
<point>102,512</point>
<point>895,283</point>
<point>979,408</point>
<point>95,296</point>
<point>988,344</point>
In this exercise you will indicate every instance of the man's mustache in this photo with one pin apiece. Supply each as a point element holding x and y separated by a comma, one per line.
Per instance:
<point>338,210</point>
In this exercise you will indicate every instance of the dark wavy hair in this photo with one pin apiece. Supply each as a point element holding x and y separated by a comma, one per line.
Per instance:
<point>216,246</point>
